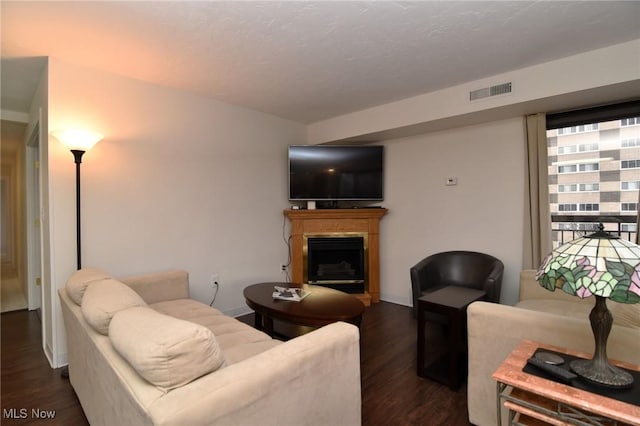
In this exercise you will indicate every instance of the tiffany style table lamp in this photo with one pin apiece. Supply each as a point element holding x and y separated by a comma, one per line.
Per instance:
<point>604,266</point>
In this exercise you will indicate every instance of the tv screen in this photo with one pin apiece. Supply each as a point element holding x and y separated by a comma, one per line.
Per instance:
<point>335,172</point>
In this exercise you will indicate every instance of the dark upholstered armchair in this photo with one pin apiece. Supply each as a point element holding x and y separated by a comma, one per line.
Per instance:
<point>461,268</point>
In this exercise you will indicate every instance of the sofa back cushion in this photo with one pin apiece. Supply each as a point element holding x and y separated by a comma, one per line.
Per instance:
<point>80,280</point>
<point>166,351</point>
<point>627,315</point>
<point>160,286</point>
<point>102,299</point>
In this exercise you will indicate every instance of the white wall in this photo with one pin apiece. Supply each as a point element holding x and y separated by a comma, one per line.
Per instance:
<point>483,212</point>
<point>179,181</point>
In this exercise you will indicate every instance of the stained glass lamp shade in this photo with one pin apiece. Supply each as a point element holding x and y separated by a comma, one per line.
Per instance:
<point>604,266</point>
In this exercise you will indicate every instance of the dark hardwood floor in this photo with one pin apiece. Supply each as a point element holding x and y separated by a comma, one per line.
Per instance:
<point>27,381</point>
<point>392,394</point>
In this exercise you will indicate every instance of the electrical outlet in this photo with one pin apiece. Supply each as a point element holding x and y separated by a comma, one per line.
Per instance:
<point>283,267</point>
<point>215,280</point>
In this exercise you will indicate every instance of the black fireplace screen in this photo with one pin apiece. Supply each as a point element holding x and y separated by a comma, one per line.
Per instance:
<point>335,260</point>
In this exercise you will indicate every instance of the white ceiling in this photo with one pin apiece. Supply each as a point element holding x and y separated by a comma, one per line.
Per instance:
<point>304,61</point>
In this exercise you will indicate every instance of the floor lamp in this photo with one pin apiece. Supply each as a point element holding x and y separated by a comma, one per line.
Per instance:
<point>78,141</point>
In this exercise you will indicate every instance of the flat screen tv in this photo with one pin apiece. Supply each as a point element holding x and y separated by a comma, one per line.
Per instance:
<point>336,172</point>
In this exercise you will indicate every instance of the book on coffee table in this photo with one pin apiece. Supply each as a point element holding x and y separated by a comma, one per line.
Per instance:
<point>292,293</point>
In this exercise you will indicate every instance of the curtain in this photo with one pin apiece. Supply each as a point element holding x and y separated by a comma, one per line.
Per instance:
<point>537,217</point>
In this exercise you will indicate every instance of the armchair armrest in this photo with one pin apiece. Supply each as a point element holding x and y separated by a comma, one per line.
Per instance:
<point>493,283</point>
<point>419,280</point>
<point>420,273</point>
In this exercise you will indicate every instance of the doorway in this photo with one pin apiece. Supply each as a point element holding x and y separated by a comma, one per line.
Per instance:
<point>20,225</point>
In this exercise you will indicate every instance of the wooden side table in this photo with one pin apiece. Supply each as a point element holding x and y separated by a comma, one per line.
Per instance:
<point>531,399</point>
<point>451,301</point>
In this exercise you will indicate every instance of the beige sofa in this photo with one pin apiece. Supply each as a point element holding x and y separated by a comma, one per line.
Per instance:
<point>554,318</point>
<point>141,352</point>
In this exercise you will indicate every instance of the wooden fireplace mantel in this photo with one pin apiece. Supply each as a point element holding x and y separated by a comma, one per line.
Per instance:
<point>336,221</point>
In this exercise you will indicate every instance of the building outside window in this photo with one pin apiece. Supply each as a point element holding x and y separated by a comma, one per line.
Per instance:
<point>630,185</point>
<point>594,176</point>
<point>632,121</point>
<point>629,164</point>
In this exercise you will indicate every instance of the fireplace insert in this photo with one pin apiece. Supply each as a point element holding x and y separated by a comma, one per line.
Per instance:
<point>338,262</point>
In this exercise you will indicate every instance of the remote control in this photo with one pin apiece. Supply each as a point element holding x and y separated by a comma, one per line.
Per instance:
<point>560,373</point>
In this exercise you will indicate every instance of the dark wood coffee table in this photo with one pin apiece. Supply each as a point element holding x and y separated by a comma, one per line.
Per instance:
<point>321,307</point>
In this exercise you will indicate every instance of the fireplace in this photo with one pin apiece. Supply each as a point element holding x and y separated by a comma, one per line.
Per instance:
<point>336,260</point>
<point>338,223</point>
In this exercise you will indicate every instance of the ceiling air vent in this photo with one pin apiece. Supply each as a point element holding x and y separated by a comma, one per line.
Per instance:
<point>498,89</point>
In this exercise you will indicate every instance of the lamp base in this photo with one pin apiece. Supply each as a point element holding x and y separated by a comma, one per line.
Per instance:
<point>603,374</point>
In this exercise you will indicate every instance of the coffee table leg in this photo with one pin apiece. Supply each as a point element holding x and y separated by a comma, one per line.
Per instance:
<point>257,321</point>
<point>268,325</point>
<point>357,321</point>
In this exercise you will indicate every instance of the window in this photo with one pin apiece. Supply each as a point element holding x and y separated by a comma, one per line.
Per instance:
<point>584,167</point>
<point>582,207</point>
<point>631,121</point>
<point>568,188</point>
<point>589,187</point>
<point>587,147</point>
<point>578,226</point>
<point>628,227</point>
<point>629,143</point>
<point>569,168</point>
<point>583,147</point>
<point>629,185</point>
<point>578,129</point>
<point>589,207</point>
<point>567,207</point>
<point>583,187</point>
<point>629,164</point>
<point>569,149</point>
<point>589,167</point>
<point>588,190</point>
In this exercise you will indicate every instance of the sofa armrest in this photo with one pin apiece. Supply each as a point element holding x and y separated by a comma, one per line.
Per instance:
<point>160,286</point>
<point>312,379</point>
<point>495,330</point>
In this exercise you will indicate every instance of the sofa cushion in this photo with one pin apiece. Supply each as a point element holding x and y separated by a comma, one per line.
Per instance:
<point>102,299</point>
<point>166,351</point>
<point>230,333</point>
<point>80,280</point>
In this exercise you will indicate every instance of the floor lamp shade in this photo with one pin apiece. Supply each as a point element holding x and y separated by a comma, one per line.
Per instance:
<point>78,139</point>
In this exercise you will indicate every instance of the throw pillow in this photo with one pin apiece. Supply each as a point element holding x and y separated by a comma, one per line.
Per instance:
<point>80,280</point>
<point>166,351</point>
<point>103,299</point>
